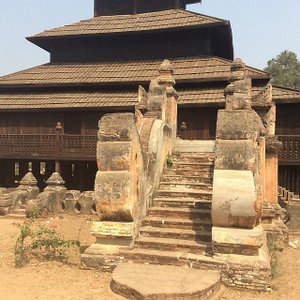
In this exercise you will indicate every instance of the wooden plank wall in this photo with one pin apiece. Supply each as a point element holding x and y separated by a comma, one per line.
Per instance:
<point>85,123</point>
<point>288,119</point>
<point>200,122</point>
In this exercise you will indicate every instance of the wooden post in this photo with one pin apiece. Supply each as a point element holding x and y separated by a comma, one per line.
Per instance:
<point>58,130</point>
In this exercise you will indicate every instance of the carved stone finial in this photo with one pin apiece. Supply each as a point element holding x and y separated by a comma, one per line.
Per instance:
<point>166,73</point>
<point>237,65</point>
<point>238,70</point>
<point>55,179</point>
<point>29,180</point>
<point>166,66</point>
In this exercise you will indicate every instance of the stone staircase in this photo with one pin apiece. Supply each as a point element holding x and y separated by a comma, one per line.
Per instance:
<point>177,229</point>
<point>17,213</point>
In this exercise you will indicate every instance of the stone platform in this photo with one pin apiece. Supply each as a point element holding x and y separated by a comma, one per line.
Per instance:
<point>155,282</point>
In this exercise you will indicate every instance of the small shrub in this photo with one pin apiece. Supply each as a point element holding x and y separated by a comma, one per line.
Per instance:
<point>169,162</point>
<point>40,242</point>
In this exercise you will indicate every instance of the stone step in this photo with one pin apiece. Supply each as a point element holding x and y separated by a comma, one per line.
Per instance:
<point>180,213</point>
<point>194,146</point>
<point>182,202</point>
<point>12,215</point>
<point>184,193</point>
<point>186,184</point>
<point>192,165</point>
<point>207,178</point>
<point>169,244</point>
<point>195,154</point>
<point>19,211</point>
<point>176,233</point>
<point>153,256</point>
<point>192,160</point>
<point>165,282</point>
<point>190,172</point>
<point>168,222</point>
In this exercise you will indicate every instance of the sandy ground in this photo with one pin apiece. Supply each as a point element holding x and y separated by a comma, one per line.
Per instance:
<point>54,280</point>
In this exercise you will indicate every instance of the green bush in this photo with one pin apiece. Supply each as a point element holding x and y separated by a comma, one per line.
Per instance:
<point>36,240</point>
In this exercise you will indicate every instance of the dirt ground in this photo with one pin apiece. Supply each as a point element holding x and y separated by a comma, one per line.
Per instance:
<point>54,280</point>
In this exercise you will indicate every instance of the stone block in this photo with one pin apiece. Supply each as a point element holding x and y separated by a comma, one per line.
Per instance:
<point>116,127</point>
<point>70,201</point>
<point>19,197</point>
<point>102,257</point>
<point>87,201</point>
<point>122,230</point>
<point>112,191</point>
<point>110,237</point>
<point>294,212</point>
<point>5,201</point>
<point>234,199</point>
<point>237,241</point>
<point>239,125</point>
<point>113,156</point>
<point>236,155</point>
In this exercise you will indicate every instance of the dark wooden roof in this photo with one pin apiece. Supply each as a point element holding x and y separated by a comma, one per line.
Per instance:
<point>192,69</point>
<point>152,21</point>
<point>60,100</point>
<point>125,99</point>
<point>286,95</point>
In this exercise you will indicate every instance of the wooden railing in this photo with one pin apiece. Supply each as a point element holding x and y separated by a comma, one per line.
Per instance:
<point>48,146</point>
<point>291,149</point>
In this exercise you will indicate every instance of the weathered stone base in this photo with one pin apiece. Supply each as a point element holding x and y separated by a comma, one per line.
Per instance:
<point>102,257</point>
<point>247,272</point>
<point>140,281</point>
<point>277,232</point>
<point>110,236</point>
<point>237,241</point>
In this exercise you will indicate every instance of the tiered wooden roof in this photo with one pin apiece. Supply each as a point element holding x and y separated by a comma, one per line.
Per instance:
<point>122,99</point>
<point>152,21</point>
<point>192,69</point>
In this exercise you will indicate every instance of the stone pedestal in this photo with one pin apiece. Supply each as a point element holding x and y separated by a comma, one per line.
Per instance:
<point>237,241</point>
<point>110,237</point>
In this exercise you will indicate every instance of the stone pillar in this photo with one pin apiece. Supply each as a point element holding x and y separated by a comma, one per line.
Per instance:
<point>237,187</point>
<point>273,147</point>
<point>56,184</point>
<point>169,107</point>
<point>118,189</point>
<point>162,98</point>
<point>29,184</point>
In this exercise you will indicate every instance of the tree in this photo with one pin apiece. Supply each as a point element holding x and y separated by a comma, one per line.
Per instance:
<point>285,69</point>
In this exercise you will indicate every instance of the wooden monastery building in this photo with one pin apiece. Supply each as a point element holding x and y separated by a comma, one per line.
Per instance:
<point>49,114</point>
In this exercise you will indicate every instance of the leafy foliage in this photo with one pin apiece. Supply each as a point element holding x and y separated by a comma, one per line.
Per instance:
<point>285,69</point>
<point>42,242</point>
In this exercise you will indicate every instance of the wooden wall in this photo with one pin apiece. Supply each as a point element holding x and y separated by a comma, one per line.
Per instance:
<point>114,7</point>
<point>288,119</point>
<point>159,45</point>
<point>200,122</point>
<point>45,122</point>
